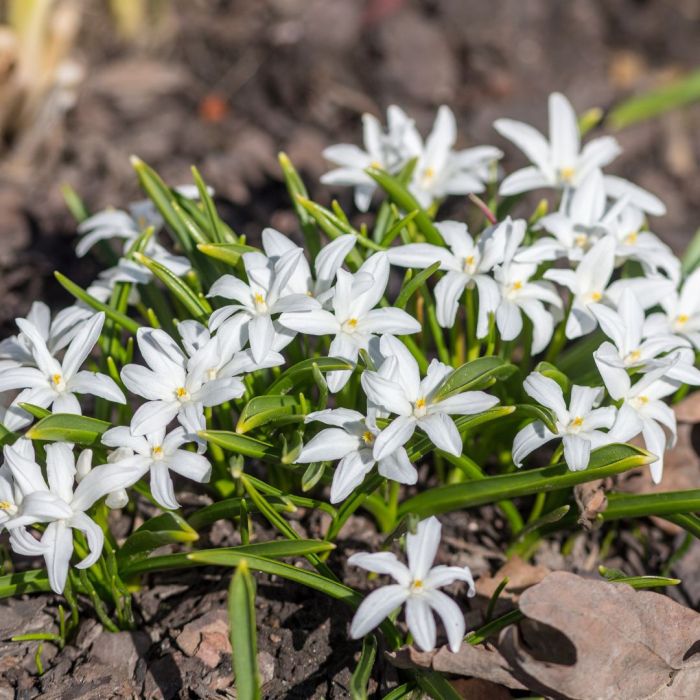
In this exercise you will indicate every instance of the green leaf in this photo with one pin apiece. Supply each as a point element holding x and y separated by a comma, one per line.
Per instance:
<point>269,550</point>
<point>404,199</point>
<point>33,581</point>
<point>241,612</point>
<point>198,306</point>
<point>79,293</point>
<point>476,374</point>
<point>313,474</point>
<point>276,568</point>
<point>217,229</point>
<point>167,528</point>
<point>303,372</point>
<point>296,189</point>
<point>241,444</point>
<point>360,677</point>
<point>436,685</point>
<point>541,413</point>
<point>230,253</point>
<point>75,204</point>
<point>261,410</point>
<point>654,103</point>
<point>640,506</point>
<point>67,427</point>
<point>162,196</point>
<point>637,582</point>
<point>410,288</point>
<point>691,256</point>
<point>605,461</point>
<point>36,411</point>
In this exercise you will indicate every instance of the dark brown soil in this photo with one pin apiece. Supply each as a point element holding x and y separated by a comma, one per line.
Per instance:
<point>295,75</point>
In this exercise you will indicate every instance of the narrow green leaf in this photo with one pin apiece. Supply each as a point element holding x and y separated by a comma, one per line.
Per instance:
<point>404,199</point>
<point>476,374</point>
<point>313,474</point>
<point>296,189</point>
<point>303,372</point>
<point>241,611</point>
<point>241,444</point>
<point>410,288</point>
<point>230,253</point>
<point>75,204</point>
<point>66,427</point>
<point>691,256</point>
<point>36,411</point>
<point>541,413</point>
<point>436,685</point>
<point>261,410</point>
<point>549,370</point>
<point>637,582</point>
<point>167,528</point>
<point>653,103</point>
<point>79,293</point>
<point>198,306</point>
<point>33,581</point>
<point>361,675</point>
<point>605,461</point>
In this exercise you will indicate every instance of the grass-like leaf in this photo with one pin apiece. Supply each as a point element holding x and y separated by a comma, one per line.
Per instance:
<point>361,674</point>
<point>66,427</point>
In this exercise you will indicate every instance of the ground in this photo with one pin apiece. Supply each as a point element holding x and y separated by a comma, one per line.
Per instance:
<point>228,86</point>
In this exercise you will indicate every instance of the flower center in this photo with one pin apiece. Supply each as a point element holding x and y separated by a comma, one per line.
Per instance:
<point>350,326</point>
<point>633,357</point>
<point>417,586</point>
<point>367,437</point>
<point>182,394</point>
<point>681,320</point>
<point>260,304</point>
<point>376,165</point>
<point>595,296</point>
<point>566,175</point>
<point>469,263</point>
<point>575,425</point>
<point>428,176</point>
<point>7,506</point>
<point>420,407</point>
<point>580,240</point>
<point>57,381</point>
<point>157,453</point>
<point>631,238</point>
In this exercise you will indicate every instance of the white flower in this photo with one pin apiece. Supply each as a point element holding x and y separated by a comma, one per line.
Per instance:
<point>681,312</point>
<point>642,408</point>
<point>351,440</point>
<point>417,586</point>
<point>263,297</point>
<point>559,162</point>
<point>327,263</point>
<point>159,454</point>
<point>519,295</point>
<point>113,223</point>
<point>171,382</point>
<point>441,171</point>
<point>398,389</point>
<point>55,383</point>
<point>588,284</point>
<point>388,150</point>
<point>467,264</point>
<point>354,320</point>
<point>578,425</point>
<point>58,506</point>
<point>631,347</point>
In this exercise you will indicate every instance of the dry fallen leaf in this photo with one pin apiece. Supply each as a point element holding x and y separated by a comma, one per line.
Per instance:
<point>600,640</point>
<point>591,500</point>
<point>585,639</point>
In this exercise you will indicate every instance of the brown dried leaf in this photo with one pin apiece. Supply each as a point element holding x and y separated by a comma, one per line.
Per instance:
<point>610,640</point>
<point>591,500</point>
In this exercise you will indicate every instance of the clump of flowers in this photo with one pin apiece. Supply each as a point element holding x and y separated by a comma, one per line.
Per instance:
<point>384,369</point>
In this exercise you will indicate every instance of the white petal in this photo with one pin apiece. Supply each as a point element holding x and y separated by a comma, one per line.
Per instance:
<point>547,393</point>
<point>398,467</point>
<point>58,541</point>
<point>349,473</point>
<point>421,623</point>
<point>96,384</point>
<point>394,436</point>
<point>448,290</point>
<point>528,439</point>
<point>386,393</point>
<point>388,320</point>
<point>451,616</point>
<point>524,180</point>
<point>60,469</point>
<point>382,563</point>
<point>467,403</point>
<point>82,344</point>
<point>153,415</point>
<point>377,606</point>
<point>94,535</point>
<point>329,444</point>
<point>316,322</point>
<point>422,546</point>
<point>528,140</point>
<point>420,256</point>
<point>190,465</point>
<point>107,478</point>
<point>162,487</point>
<point>440,576</point>
<point>577,452</point>
<point>442,431</point>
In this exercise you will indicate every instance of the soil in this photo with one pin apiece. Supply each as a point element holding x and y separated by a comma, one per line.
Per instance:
<point>226,86</point>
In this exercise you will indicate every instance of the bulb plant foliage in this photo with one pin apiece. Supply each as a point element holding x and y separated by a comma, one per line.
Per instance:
<point>407,368</point>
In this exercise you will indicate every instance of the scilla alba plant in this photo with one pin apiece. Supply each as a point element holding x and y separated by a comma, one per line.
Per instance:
<point>406,369</point>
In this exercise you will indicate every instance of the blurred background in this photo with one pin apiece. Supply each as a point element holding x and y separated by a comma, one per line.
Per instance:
<point>226,84</point>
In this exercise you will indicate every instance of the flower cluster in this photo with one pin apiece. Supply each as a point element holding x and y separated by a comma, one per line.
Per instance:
<point>381,378</point>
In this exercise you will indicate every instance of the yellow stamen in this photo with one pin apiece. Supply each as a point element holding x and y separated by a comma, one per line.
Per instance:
<point>517,284</point>
<point>5,505</point>
<point>428,174</point>
<point>420,403</point>
<point>56,379</point>
<point>417,585</point>
<point>157,451</point>
<point>259,299</point>
<point>643,399</point>
<point>577,422</point>
<point>376,165</point>
<point>367,437</point>
<point>634,355</point>
<point>581,240</point>
<point>596,296</point>
<point>682,319</point>
<point>567,174</point>
<point>352,322</point>
<point>181,392</point>
<point>469,260</point>
<point>631,238</point>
